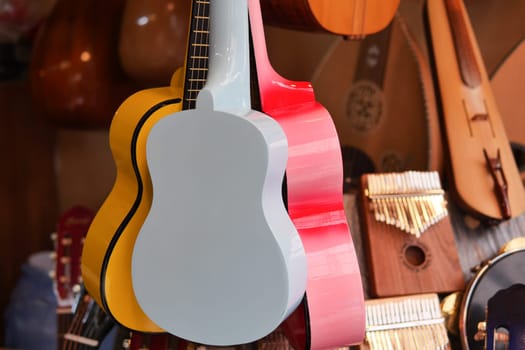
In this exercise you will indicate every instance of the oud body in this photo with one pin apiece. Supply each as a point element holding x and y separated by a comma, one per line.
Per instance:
<point>76,78</point>
<point>382,127</point>
<point>346,17</point>
<point>152,39</point>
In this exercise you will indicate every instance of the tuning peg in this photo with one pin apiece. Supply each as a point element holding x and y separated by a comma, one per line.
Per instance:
<point>51,274</point>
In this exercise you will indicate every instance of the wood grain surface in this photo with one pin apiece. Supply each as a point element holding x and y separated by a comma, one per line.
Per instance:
<point>475,244</point>
<point>28,201</point>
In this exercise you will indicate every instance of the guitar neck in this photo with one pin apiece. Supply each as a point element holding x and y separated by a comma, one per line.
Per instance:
<point>373,56</point>
<point>463,45</point>
<point>227,85</point>
<point>196,53</point>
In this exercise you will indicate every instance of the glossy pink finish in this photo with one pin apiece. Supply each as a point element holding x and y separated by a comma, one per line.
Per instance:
<point>314,173</point>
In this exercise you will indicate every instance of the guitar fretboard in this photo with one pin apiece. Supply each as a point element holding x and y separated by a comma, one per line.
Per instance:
<point>197,52</point>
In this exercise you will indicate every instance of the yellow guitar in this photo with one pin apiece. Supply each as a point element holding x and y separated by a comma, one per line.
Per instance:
<point>106,258</point>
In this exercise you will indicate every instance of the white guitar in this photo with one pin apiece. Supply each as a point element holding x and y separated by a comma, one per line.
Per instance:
<point>218,260</point>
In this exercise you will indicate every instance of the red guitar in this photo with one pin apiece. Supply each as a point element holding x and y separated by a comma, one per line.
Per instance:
<point>69,238</point>
<point>332,313</point>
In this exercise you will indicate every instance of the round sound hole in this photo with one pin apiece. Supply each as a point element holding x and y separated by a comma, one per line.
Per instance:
<point>415,255</point>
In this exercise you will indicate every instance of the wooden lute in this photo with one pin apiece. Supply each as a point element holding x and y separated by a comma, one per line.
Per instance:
<point>76,79</point>
<point>382,127</point>
<point>152,39</point>
<point>344,17</point>
<point>483,173</point>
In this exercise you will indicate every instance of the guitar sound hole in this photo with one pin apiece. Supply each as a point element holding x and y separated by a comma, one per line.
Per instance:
<point>415,255</point>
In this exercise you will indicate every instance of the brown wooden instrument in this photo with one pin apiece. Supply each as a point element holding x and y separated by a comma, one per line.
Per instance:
<point>409,239</point>
<point>379,92</point>
<point>75,74</point>
<point>153,37</point>
<point>345,17</point>
<point>484,176</point>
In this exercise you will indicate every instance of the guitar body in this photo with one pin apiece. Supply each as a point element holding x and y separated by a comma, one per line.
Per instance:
<point>487,185</point>
<point>332,314</point>
<point>223,243</point>
<point>218,260</point>
<point>344,17</point>
<point>107,250</point>
<point>109,244</point>
<point>75,74</point>
<point>153,28</point>
<point>381,127</point>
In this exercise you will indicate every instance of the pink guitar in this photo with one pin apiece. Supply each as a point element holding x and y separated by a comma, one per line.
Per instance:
<point>332,314</point>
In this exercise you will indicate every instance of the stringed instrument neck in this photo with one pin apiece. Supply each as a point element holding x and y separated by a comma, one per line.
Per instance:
<point>196,66</point>
<point>484,174</point>
<point>469,68</point>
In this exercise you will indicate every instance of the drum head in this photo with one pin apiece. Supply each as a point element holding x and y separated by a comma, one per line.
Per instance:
<point>501,272</point>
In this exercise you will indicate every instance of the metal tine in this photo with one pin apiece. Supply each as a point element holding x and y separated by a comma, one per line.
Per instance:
<point>406,323</point>
<point>411,201</point>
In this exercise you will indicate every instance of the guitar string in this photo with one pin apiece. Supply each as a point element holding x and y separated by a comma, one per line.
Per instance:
<point>75,326</point>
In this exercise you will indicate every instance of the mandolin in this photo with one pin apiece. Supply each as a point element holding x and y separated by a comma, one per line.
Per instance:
<point>483,174</point>
<point>106,259</point>
<point>344,17</point>
<point>76,79</point>
<point>332,312</point>
<point>381,127</point>
<point>218,260</point>
<point>152,38</point>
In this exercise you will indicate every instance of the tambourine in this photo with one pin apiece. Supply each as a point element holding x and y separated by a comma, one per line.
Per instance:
<point>501,272</point>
